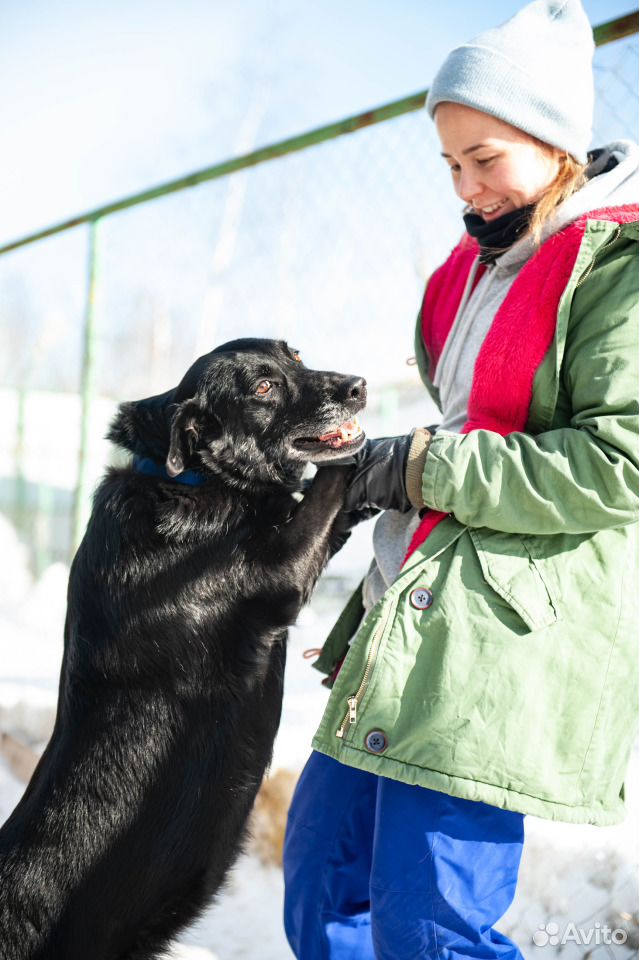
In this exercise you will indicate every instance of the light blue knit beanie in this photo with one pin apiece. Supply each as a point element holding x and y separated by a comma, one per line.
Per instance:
<point>534,72</point>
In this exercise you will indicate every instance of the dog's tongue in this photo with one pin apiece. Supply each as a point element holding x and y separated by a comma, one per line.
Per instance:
<point>347,431</point>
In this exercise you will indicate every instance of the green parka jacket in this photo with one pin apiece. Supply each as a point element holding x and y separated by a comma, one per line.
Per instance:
<point>518,685</point>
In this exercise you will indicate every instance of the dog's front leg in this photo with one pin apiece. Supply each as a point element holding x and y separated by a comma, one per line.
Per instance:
<point>302,546</point>
<point>325,497</point>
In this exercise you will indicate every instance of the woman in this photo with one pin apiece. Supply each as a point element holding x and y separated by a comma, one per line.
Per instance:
<point>493,675</point>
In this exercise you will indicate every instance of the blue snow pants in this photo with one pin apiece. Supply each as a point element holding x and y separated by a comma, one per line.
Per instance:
<point>380,870</point>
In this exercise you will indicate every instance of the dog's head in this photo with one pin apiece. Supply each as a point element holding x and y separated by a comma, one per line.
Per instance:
<point>249,411</point>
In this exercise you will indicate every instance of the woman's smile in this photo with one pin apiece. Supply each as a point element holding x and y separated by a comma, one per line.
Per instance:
<point>492,210</point>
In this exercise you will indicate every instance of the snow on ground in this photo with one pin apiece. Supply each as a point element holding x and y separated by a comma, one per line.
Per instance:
<point>581,875</point>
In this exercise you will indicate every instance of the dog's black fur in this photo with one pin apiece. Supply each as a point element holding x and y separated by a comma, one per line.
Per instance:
<point>171,685</point>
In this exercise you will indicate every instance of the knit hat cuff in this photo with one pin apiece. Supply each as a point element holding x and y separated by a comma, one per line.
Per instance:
<point>486,80</point>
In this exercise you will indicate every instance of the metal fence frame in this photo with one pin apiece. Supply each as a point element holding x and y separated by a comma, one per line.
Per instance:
<point>604,33</point>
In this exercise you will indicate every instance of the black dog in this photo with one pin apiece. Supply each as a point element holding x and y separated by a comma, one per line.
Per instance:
<point>171,687</point>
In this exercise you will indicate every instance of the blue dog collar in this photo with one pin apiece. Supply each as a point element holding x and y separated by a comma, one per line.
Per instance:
<point>152,469</point>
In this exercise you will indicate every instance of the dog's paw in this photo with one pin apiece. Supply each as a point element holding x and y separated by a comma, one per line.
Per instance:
<point>330,483</point>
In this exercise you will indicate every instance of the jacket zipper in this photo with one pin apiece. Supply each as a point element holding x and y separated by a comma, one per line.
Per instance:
<point>611,239</point>
<point>354,700</point>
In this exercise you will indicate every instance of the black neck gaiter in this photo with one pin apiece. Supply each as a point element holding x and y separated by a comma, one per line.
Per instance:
<point>496,236</point>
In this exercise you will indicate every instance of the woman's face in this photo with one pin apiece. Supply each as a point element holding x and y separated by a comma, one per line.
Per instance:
<point>495,167</point>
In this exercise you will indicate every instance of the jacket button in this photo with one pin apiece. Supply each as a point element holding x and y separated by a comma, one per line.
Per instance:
<point>376,741</point>
<point>421,598</point>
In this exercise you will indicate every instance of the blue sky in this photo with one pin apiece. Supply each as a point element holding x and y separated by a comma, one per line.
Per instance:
<point>104,99</point>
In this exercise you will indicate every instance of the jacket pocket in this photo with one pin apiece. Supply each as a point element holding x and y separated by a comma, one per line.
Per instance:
<point>509,568</point>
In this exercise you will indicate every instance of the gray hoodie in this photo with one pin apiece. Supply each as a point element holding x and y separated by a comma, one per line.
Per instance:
<point>454,375</point>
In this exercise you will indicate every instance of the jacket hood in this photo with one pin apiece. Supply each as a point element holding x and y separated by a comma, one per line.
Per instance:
<point>615,188</point>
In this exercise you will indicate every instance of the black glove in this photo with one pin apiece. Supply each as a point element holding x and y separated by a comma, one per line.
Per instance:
<point>384,472</point>
<point>378,480</point>
<point>387,474</point>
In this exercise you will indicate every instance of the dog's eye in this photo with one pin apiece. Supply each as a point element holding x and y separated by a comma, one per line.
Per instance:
<point>263,387</point>
<point>296,356</point>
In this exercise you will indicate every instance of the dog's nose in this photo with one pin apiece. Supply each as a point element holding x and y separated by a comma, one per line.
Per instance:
<point>356,389</point>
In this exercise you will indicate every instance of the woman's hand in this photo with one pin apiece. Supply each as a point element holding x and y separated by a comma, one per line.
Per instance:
<point>387,475</point>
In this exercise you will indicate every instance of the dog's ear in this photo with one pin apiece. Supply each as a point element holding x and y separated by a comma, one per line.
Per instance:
<point>142,426</point>
<point>185,432</point>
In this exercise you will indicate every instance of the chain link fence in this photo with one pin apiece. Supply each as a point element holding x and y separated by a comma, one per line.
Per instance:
<point>328,247</point>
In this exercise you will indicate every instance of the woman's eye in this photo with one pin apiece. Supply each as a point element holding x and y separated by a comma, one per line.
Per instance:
<point>485,160</point>
<point>263,387</point>
<point>454,168</point>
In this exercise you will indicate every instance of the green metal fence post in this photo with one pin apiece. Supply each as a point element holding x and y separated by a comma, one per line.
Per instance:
<point>87,389</point>
<point>21,504</point>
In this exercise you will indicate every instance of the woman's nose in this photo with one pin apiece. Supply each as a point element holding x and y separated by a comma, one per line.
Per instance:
<point>468,187</point>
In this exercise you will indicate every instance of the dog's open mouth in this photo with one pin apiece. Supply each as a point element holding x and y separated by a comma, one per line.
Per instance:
<point>348,434</point>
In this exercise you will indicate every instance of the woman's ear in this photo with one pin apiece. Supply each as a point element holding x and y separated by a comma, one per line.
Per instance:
<point>185,431</point>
